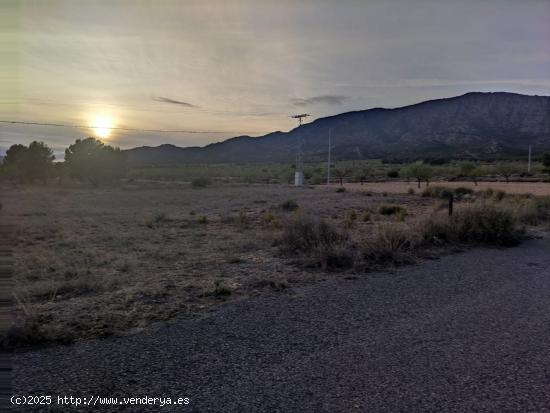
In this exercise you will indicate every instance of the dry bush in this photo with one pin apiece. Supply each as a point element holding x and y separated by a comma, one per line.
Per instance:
<point>32,332</point>
<point>349,218</point>
<point>499,195</point>
<point>366,216</point>
<point>201,182</point>
<point>484,223</point>
<point>531,211</point>
<point>318,242</point>
<point>393,244</point>
<point>437,192</point>
<point>462,191</point>
<point>218,291</point>
<point>241,220</point>
<point>392,210</point>
<point>268,220</point>
<point>289,205</point>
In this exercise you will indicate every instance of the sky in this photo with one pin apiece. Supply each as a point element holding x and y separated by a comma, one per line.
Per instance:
<point>190,73</point>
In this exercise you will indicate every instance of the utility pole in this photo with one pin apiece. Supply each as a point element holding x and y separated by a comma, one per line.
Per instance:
<point>299,174</point>
<point>329,149</point>
<point>529,161</point>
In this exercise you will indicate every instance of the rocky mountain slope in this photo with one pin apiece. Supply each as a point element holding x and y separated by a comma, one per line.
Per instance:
<point>474,125</point>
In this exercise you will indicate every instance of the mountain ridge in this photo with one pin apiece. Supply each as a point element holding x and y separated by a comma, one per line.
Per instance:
<point>473,125</point>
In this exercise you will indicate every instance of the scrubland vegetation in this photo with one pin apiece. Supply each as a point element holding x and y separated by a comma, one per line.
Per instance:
<point>91,161</point>
<point>101,248</point>
<point>96,262</point>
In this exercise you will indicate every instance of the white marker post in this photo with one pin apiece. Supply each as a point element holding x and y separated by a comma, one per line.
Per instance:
<point>529,161</point>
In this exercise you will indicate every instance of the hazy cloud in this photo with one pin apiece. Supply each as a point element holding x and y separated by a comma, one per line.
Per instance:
<point>174,102</point>
<point>241,75</point>
<point>324,99</point>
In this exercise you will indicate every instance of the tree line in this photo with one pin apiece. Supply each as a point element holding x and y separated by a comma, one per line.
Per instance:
<point>423,172</point>
<point>86,160</point>
<point>90,160</point>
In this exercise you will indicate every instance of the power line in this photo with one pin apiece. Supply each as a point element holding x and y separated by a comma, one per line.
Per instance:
<point>64,125</point>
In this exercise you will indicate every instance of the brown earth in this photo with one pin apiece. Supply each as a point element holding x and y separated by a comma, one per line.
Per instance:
<point>402,187</point>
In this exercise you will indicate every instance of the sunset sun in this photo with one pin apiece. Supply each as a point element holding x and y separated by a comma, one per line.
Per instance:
<point>102,126</point>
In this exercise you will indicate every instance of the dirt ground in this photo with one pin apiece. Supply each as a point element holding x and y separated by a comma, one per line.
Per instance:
<point>401,187</point>
<point>94,262</point>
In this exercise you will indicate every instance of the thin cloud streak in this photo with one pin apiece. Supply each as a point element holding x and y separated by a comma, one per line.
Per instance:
<point>174,102</point>
<point>322,99</point>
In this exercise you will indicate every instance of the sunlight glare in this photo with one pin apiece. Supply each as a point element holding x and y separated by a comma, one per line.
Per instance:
<point>102,126</point>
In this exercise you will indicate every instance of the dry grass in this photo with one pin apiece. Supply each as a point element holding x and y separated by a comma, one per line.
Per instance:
<point>97,262</point>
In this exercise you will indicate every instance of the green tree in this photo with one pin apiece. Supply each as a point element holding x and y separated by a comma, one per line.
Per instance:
<point>419,171</point>
<point>13,163</point>
<point>364,172</point>
<point>29,163</point>
<point>470,170</point>
<point>341,173</point>
<point>506,170</point>
<point>39,161</point>
<point>91,160</point>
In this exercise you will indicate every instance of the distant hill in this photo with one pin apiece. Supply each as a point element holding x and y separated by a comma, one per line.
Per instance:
<point>474,125</point>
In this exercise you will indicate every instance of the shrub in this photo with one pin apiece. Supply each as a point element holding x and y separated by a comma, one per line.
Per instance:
<point>289,205</point>
<point>393,244</point>
<point>533,211</point>
<point>391,210</point>
<point>366,216</point>
<point>341,189</point>
<point>32,332</point>
<point>437,192</point>
<point>485,224</point>
<point>411,191</point>
<point>319,242</point>
<point>218,291</point>
<point>349,218</point>
<point>489,192</point>
<point>201,182</point>
<point>160,217</point>
<point>203,220</point>
<point>499,195</point>
<point>461,191</point>
<point>269,220</point>
<point>393,174</point>
<point>401,215</point>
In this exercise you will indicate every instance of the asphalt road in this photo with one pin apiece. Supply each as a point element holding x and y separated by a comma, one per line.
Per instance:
<point>469,332</point>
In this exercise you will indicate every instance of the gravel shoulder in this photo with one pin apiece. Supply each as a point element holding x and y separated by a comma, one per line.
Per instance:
<point>467,332</point>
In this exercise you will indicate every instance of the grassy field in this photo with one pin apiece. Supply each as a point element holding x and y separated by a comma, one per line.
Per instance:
<point>96,262</point>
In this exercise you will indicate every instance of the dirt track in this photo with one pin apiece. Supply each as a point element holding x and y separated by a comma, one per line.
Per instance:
<point>401,187</point>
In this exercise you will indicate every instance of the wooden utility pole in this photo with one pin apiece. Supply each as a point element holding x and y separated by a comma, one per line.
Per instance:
<point>329,149</point>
